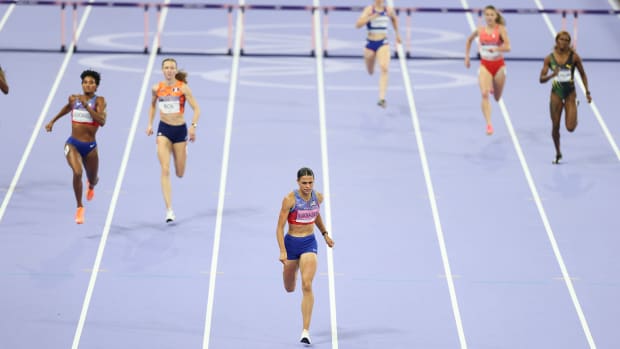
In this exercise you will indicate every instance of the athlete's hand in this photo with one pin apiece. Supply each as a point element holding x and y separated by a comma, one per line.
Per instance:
<point>49,126</point>
<point>589,97</point>
<point>283,257</point>
<point>373,16</point>
<point>329,241</point>
<point>556,71</point>
<point>149,130</point>
<point>467,63</point>
<point>192,134</point>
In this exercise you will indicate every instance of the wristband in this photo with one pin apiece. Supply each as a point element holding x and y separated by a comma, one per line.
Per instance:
<point>194,125</point>
<point>324,233</point>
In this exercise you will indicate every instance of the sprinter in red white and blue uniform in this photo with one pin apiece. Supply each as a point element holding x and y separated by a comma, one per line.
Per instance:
<point>88,112</point>
<point>376,18</point>
<point>298,249</point>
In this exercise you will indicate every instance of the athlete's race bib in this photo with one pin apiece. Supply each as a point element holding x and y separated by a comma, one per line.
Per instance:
<point>485,51</point>
<point>170,106</point>
<point>563,76</point>
<point>307,216</point>
<point>80,115</point>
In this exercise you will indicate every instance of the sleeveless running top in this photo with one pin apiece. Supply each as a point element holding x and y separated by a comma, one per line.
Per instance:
<point>378,25</point>
<point>489,41</point>
<point>171,99</point>
<point>79,114</point>
<point>304,212</point>
<point>567,70</point>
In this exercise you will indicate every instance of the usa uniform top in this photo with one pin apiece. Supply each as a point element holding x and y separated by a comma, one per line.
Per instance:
<point>304,212</point>
<point>378,25</point>
<point>79,114</point>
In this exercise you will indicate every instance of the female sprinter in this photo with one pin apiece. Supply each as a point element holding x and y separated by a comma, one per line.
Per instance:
<point>562,63</point>
<point>169,97</point>
<point>88,112</point>
<point>298,249</point>
<point>376,17</point>
<point>494,40</point>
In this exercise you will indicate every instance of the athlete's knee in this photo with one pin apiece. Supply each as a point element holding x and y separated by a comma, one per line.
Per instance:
<point>485,94</point>
<point>384,68</point>
<point>571,128</point>
<point>77,172</point>
<point>306,286</point>
<point>165,171</point>
<point>289,288</point>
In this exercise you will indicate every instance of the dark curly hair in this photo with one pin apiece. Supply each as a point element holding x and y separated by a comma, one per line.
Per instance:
<point>93,74</point>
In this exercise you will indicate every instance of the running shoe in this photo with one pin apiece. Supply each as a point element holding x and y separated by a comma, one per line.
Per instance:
<point>79,215</point>
<point>170,216</point>
<point>90,193</point>
<point>305,337</point>
<point>382,103</point>
<point>558,157</point>
<point>489,129</point>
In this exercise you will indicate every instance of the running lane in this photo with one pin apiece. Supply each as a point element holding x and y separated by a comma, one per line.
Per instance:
<point>275,131</point>
<point>152,287</point>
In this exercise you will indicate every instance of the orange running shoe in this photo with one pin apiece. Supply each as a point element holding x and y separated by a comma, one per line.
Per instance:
<point>489,129</point>
<point>79,215</point>
<point>90,194</point>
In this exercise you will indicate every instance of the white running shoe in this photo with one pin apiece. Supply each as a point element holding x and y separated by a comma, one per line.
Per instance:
<point>305,337</point>
<point>170,216</point>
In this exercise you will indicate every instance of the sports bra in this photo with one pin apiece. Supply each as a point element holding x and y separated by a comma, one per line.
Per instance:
<point>304,212</point>
<point>79,114</point>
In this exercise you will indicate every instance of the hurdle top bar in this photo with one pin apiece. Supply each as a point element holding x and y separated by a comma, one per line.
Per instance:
<point>303,8</point>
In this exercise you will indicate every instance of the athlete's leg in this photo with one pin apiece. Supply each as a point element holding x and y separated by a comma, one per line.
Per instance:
<point>179,153</point>
<point>499,80</point>
<point>485,79</point>
<point>369,60</point>
<point>383,56</point>
<point>570,108</point>
<point>74,159</point>
<point>91,164</point>
<point>307,267</point>
<point>164,148</point>
<point>555,109</point>
<point>289,274</point>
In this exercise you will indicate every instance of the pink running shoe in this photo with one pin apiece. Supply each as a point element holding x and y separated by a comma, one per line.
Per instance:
<point>489,129</point>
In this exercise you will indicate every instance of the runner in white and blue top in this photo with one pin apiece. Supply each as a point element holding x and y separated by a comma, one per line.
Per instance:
<point>376,19</point>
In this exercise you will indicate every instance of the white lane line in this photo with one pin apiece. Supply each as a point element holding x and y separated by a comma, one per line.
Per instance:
<point>543,215</point>
<point>232,92</point>
<point>320,84</point>
<point>614,5</point>
<point>39,124</point>
<point>119,179</point>
<point>5,18</point>
<point>431,194</point>
<point>597,114</point>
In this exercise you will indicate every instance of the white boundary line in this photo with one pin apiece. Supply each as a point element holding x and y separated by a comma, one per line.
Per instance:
<point>597,114</point>
<point>5,18</point>
<point>39,124</point>
<point>543,215</point>
<point>119,180</point>
<point>614,6</point>
<point>232,92</point>
<point>318,44</point>
<point>431,194</point>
